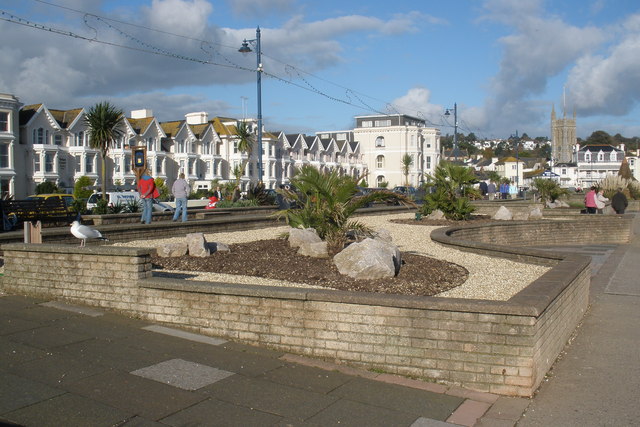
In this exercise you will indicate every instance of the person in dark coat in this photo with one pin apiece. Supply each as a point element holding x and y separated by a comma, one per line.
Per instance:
<point>619,202</point>
<point>483,188</point>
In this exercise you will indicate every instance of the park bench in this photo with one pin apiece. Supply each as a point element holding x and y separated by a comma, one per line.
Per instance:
<point>51,211</point>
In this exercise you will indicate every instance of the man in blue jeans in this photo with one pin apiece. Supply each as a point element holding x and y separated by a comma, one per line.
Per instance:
<point>180,191</point>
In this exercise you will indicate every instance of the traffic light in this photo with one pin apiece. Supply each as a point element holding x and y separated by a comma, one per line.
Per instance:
<point>139,157</point>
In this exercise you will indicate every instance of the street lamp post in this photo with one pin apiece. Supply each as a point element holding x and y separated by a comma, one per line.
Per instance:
<point>447,112</point>
<point>244,49</point>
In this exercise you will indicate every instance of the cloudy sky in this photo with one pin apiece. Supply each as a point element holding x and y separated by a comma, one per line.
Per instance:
<point>505,63</point>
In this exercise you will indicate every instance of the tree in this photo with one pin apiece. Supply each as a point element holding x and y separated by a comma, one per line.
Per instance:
<point>245,145</point>
<point>47,187</point>
<point>105,127</point>
<point>326,202</point>
<point>406,162</point>
<point>599,137</point>
<point>453,187</point>
<point>625,170</point>
<point>80,190</point>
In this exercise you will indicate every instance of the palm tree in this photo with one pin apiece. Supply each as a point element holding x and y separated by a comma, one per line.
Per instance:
<point>327,201</point>
<point>104,121</point>
<point>245,145</point>
<point>407,162</point>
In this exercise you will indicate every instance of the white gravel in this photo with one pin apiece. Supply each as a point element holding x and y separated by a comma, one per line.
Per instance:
<point>489,278</point>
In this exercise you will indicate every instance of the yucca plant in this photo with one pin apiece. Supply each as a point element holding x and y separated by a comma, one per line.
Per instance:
<point>548,189</point>
<point>453,187</point>
<point>326,202</point>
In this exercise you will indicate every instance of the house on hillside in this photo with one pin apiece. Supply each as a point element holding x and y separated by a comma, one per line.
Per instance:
<point>595,162</point>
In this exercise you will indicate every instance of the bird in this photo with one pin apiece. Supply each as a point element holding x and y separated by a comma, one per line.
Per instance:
<point>84,232</point>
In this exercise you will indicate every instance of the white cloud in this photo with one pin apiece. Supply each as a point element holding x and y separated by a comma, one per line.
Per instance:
<point>253,8</point>
<point>180,16</point>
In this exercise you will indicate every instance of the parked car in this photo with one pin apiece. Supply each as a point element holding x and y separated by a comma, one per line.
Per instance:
<point>68,198</point>
<point>161,207</point>
<point>114,198</point>
<point>407,191</point>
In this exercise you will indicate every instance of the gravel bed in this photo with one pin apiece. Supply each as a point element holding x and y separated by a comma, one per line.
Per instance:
<point>489,278</point>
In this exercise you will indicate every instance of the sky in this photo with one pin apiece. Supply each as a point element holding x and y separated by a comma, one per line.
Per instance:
<point>503,63</point>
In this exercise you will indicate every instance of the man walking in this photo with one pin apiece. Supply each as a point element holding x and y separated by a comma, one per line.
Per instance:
<point>619,202</point>
<point>180,191</point>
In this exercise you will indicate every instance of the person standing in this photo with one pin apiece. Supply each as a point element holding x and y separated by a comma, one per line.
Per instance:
<point>148,192</point>
<point>619,202</point>
<point>484,189</point>
<point>590,201</point>
<point>217,193</point>
<point>180,190</point>
<point>601,201</point>
<point>491,189</point>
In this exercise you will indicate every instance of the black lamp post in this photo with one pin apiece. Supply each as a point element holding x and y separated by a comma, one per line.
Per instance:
<point>447,112</point>
<point>244,49</point>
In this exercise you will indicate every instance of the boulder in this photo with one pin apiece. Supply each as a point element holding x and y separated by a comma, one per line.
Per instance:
<point>197,245</point>
<point>369,259</point>
<point>171,250</point>
<point>535,213</point>
<point>218,247</point>
<point>503,214</point>
<point>437,214</point>
<point>314,250</point>
<point>298,236</point>
<point>384,235</point>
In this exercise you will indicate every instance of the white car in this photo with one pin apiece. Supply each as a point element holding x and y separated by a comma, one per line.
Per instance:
<point>161,207</point>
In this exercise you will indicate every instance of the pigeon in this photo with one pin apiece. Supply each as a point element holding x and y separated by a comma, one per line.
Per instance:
<point>84,232</point>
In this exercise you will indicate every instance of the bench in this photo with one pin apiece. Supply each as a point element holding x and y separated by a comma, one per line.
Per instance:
<point>52,211</point>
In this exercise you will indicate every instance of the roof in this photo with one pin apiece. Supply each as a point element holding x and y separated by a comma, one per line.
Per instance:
<point>171,128</point>
<point>599,147</point>
<point>140,125</point>
<point>221,128</point>
<point>65,117</point>
<point>27,112</point>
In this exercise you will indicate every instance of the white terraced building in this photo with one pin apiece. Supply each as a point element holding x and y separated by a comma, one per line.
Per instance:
<point>39,143</point>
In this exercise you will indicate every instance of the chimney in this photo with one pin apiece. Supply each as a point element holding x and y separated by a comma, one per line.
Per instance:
<point>198,118</point>
<point>141,114</point>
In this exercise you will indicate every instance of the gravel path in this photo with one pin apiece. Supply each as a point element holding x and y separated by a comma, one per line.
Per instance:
<point>489,278</point>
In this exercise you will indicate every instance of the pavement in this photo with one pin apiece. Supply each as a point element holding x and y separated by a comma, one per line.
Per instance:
<point>65,365</point>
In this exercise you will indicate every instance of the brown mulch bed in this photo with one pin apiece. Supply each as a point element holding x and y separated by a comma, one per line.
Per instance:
<point>274,259</point>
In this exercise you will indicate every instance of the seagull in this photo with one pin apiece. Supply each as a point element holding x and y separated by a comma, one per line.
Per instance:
<point>84,232</point>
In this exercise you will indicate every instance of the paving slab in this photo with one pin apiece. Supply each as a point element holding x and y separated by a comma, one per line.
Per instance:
<point>358,414</point>
<point>17,392</point>
<point>76,411</point>
<point>306,378</point>
<point>55,370</point>
<point>183,374</point>
<point>213,412</point>
<point>133,394</point>
<point>13,353</point>
<point>47,337</point>
<point>288,402</point>
<point>420,402</point>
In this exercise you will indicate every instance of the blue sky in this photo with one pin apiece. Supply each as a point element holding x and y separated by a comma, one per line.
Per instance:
<point>504,62</point>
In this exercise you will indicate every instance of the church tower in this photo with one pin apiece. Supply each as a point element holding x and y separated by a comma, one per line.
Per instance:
<point>563,137</point>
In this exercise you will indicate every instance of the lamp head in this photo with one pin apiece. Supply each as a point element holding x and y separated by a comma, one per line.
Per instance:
<point>446,112</point>
<point>244,49</point>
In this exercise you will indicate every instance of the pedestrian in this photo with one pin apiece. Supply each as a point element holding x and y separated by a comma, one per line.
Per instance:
<point>619,202</point>
<point>180,191</point>
<point>491,189</point>
<point>513,190</point>
<point>590,201</point>
<point>148,192</point>
<point>217,193</point>
<point>601,201</point>
<point>504,190</point>
<point>484,188</point>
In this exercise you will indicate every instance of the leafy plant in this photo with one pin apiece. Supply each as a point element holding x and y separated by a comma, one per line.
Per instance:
<point>453,188</point>
<point>116,209</point>
<point>79,206</point>
<point>326,202</point>
<point>164,191</point>
<point>406,163</point>
<point>548,189</point>
<point>47,187</point>
<point>132,206</point>
<point>101,207</point>
<point>81,190</point>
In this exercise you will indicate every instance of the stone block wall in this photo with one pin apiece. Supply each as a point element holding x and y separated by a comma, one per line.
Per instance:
<point>498,347</point>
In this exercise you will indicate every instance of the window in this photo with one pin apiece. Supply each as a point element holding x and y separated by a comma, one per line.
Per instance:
<point>614,156</point>
<point>379,180</point>
<point>181,146</point>
<point>341,136</point>
<point>4,155</point>
<point>116,165</point>
<point>4,121</point>
<point>79,139</point>
<point>159,167</point>
<point>78,159</point>
<point>382,123</point>
<point>380,141</point>
<point>36,163</point>
<point>380,162</point>
<point>127,164</point>
<point>57,139</point>
<point>88,166</point>
<point>564,171</point>
<point>367,124</point>
<point>48,162</point>
<point>601,156</point>
<point>587,156</point>
<point>235,147</point>
<point>413,140</point>
<point>428,161</point>
<point>206,147</point>
<point>151,144</point>
<point>38,136</point>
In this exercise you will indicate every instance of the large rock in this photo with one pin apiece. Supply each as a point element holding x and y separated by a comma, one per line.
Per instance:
<point>437,214</point>
<point>299,236</point>
<point>535,213</point>
<point>218,247</point>
<point>197,245</point>
<point>384,235</point>
<point>503,214</point>
<point>314,250</point>
<point>171,250</point>
<point>369,259</point>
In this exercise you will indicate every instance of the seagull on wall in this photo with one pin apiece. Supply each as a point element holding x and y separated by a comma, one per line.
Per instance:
<point>84,232</point>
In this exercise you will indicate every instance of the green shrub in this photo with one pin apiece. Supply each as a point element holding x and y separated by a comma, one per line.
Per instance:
<point>453,188</point>
<point>101,207</point>
<point>47,187</point>
<point>80,188</point>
